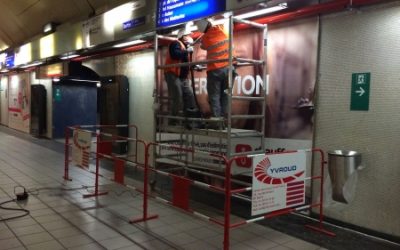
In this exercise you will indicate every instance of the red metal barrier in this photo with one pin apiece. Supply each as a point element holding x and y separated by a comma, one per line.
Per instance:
<point>180,187</point>
<point>180,198</point>
<point>119,163</point>
<point>101,149</point>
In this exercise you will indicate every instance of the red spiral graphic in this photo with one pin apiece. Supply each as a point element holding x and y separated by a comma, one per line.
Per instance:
<point>76,143</point>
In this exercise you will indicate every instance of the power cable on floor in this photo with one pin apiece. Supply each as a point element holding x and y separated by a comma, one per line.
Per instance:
<point>118,194</point>
<point>26,212</point>
<point>35,191</point>
<point>20,196</point>
<point>23,195</point>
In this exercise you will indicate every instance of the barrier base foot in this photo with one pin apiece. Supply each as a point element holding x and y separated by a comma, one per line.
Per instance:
<point>67,179</point>
<point>143,219</point>
<point>94,194</point>
<point>321,230</point>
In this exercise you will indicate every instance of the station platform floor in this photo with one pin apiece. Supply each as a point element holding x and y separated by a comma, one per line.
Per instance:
<point>60,218</point>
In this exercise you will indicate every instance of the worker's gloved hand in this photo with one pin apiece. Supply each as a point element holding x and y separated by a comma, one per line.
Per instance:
<point>189,49</point>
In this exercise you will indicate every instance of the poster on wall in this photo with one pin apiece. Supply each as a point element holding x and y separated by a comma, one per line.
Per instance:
<point>19,102</point>
<point>278,182</point>
<point>292,63</point>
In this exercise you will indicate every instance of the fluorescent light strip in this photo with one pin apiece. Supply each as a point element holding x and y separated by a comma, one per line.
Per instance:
<point>120,45</point>
<point>69,56</point>
<point>279,7</point>
<point>82,80</point>
<point>31,65</point>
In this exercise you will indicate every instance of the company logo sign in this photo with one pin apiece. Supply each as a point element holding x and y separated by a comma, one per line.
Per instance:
<point>267,173</point>
<point>244,162</point>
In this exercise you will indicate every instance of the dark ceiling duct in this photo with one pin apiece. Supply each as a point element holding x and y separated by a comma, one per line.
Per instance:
<point>79,72</point>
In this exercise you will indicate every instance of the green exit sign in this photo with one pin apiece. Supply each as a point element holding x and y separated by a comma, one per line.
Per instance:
<point>360,86</point>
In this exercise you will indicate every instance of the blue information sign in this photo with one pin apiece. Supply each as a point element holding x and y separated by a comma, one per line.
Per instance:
<point>133,23</point>
<point>170,12</point>
<point>10,60</point>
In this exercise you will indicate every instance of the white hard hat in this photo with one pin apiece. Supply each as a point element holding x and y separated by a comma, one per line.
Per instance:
<point>202,25</point>
<point>183,32</point>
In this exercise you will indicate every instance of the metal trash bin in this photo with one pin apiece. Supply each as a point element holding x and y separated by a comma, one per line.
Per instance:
<point>342,166</point>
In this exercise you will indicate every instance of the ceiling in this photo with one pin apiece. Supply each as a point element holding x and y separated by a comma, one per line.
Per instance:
<point>22,20</point>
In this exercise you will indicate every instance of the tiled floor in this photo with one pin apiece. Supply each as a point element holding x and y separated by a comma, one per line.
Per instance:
<point>61,219</point>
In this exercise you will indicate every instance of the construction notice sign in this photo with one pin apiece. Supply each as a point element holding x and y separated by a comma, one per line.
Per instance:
<point>81,147</point>
<point>278,182</point>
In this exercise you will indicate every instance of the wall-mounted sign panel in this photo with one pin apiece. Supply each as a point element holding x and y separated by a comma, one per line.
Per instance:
<point>47,46</point>
<point>96,31</point>
<point>2,60</point>
<point>49,71</point>
<point>132,18</point>
<point>139,19</point>
<point>10,59</point>
<point>360,85</point>
<point>238,4</point>
<point>23,54</point>
<point>180,11</point>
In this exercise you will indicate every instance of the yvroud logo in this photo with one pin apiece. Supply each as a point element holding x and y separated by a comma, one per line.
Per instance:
<point>268,174</point>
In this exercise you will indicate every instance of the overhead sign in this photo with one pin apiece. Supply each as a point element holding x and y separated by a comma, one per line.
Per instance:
<point>132,18</point>
<point>278,182</point>
<point>360,86</point>
<point>3,60</point>
<point>134,23</point>
<point>171,12</point>
<point>10,59</point>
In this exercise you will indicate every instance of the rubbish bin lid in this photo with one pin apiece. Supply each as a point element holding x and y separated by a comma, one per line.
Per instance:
<point>345,153</point>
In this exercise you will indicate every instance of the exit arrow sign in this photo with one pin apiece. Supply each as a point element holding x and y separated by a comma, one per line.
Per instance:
<point>360,86</point>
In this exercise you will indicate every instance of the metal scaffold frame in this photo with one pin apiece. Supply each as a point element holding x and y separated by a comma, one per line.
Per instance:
<point>230,132</point>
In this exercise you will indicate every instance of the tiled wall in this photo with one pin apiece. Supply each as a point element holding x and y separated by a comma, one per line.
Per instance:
<point>139,68</point>
<point>365,40</point>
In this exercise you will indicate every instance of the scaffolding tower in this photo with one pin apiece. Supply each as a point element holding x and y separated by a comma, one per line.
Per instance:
<point>183,136</point>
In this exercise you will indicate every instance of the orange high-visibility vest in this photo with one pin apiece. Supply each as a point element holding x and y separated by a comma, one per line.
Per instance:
<point>216,42</point>
<point>169,60</point>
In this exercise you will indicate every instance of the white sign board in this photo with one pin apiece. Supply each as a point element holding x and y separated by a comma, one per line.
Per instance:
<point>81,147</point>
<point>278,182</point>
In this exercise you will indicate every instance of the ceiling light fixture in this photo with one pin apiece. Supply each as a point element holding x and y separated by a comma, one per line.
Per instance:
<point>31,65</point>
<point>49,28</point>
<point>120,45</point>
<point>255,13</point>
<point>69,56</point>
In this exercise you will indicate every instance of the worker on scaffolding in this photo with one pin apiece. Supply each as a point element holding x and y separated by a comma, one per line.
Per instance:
<point>216,42</point>
<point>179,88</point>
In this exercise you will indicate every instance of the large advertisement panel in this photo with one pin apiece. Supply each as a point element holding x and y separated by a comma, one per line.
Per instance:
<point>292,61</point>
<point>19,102</point>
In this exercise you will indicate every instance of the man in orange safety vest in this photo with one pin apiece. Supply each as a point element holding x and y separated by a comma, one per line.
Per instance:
<point>216,42</point>
<point>179,89</point>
